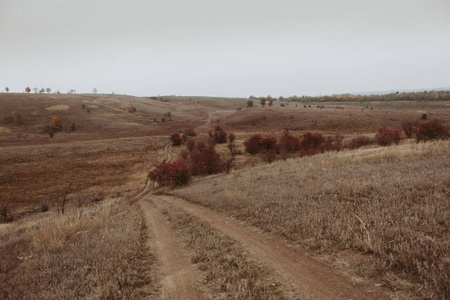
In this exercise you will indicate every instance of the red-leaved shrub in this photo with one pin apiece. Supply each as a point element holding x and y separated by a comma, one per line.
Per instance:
<point>410,127</point>
<point>288,144</point>
<point>202,159</point>
<point>311,143</point>
<point>220,136</point>
<point>176,139</point>
<point>268,143</point>
<point>386,137</point>
<point>432,130</point>
<point>252,144</point>
<point>176,173</point>
<point>256,143</point>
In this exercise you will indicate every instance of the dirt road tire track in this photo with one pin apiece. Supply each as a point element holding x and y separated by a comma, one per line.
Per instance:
<point>168,153</point>
<point>178,277</point>
<point>311,279</point>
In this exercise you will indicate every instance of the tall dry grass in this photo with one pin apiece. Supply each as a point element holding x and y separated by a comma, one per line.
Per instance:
<point>392,202</point>
<point>96,252</point>
<point>228,273</point>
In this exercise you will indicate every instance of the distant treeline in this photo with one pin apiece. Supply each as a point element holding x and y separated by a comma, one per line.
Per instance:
<point>397,96</point>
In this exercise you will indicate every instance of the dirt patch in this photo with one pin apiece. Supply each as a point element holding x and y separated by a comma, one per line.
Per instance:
<point>178,277</point>
<point>5,130</point>
<point>58,107</point>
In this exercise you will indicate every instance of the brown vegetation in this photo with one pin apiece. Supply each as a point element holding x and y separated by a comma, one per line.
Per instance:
<point>388,202</point>
<point>95,252</point>
<point>227,271</point>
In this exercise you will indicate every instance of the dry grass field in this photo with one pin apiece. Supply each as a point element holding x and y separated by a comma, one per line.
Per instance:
<point>392,203</point>
<point>76,255</point>
<point>349,119</point>
<point>377,213</point>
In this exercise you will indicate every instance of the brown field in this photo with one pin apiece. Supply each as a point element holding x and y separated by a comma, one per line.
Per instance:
<point>377,215</point>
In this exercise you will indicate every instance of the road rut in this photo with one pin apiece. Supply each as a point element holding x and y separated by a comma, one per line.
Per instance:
<point>178,277</point>
<point>311,279</point>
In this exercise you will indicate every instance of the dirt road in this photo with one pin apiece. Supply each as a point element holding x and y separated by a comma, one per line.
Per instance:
<point>168,153</point>
<point>178,277</point>
<point>310,279</point>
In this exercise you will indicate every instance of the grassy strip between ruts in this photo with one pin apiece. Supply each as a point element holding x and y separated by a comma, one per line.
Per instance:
<point>96,252</point>
<point>228,271</point>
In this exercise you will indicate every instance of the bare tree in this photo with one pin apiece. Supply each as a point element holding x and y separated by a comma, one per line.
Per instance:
<point>72,91</point>
<point>36,90</point>
<point>94,90</point>
<point>7,89</point>
<point>48,90</point>
<point>41,90</point>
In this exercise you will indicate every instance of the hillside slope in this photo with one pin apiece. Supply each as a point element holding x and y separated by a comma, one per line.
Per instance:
<point>389,202</point>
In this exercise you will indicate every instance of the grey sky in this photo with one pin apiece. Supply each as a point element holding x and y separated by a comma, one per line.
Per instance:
<point>224,48</point>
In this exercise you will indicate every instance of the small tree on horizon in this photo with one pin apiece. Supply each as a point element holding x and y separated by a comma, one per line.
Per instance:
<point>36,90</point>
<point>94,90</point>
<point>42,90</point>
<point>27,89</point>
<point>7,89</point>
<point>249,103</point>
<point>48,90</point>
<point>262,101</point>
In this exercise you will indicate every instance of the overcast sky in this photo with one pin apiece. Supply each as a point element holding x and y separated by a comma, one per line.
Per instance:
<point>224,47</point>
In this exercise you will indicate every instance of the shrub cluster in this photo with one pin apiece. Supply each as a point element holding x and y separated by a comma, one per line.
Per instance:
<point>288,144</point>
<point>190,132</point>
<point>385,136</point>
<point>196,159</point>
<point>314,143</point>
<point>202,159</point>
<point>307,144</point>
<point>176,173</point>
<point>219,136</point>
<point>257,144</point>
<point>176,139</point>
<point>432,130</point>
